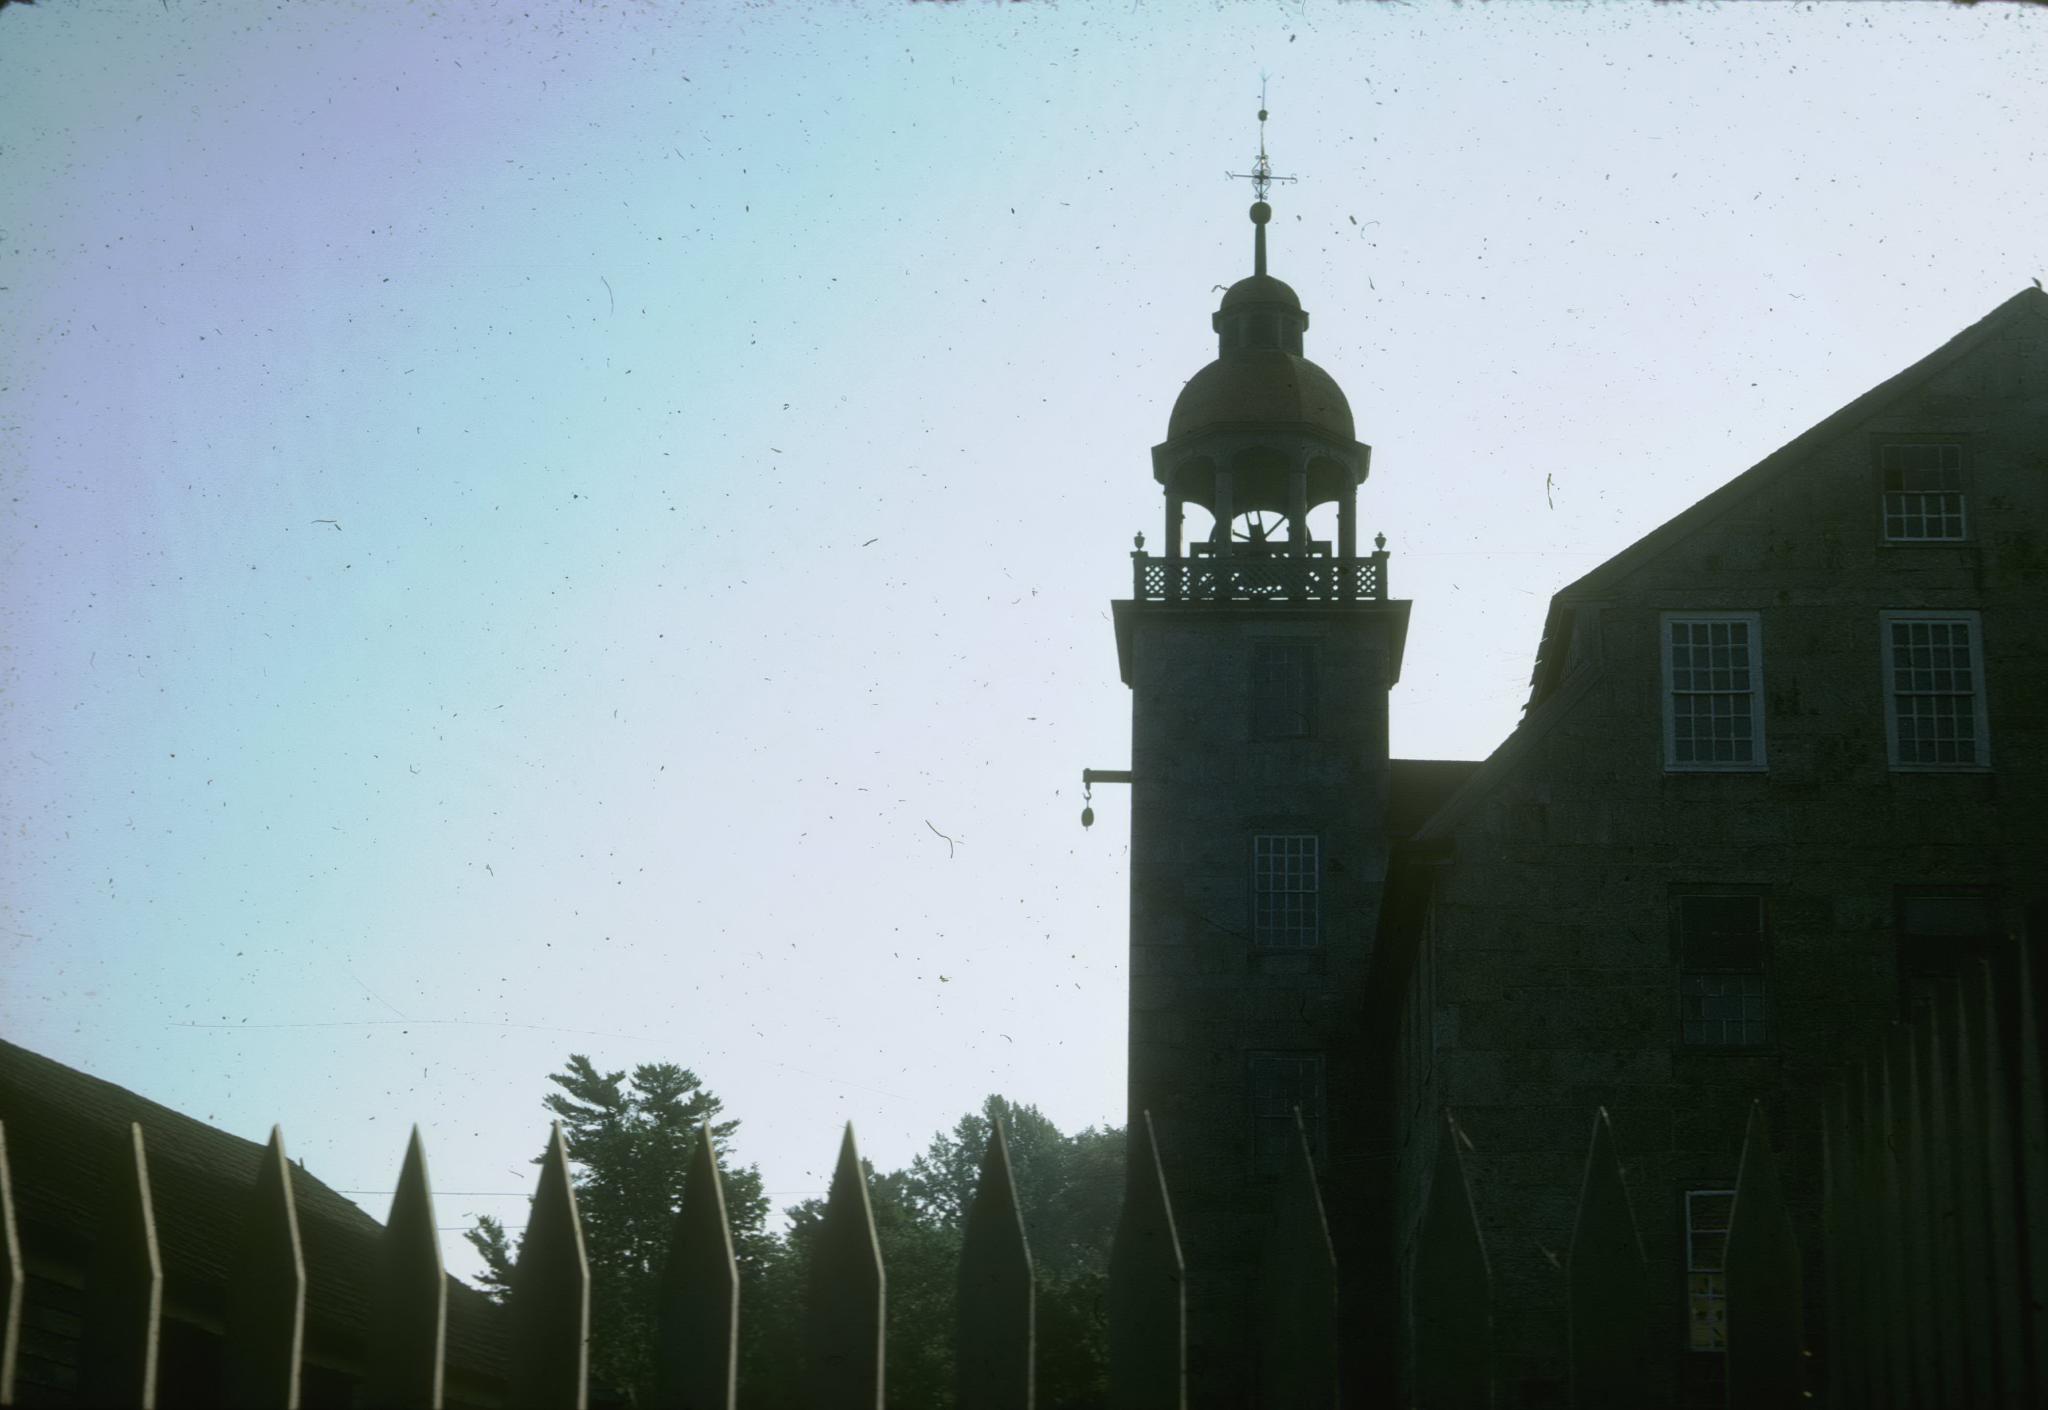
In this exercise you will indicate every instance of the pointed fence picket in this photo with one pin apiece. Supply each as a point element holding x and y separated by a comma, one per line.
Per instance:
<point>266,1315</point>
<point>995,1364</point>
<point>409,1312</point>
<point>124,1287</point>
<point>1607,1288</point>
<point>1843,1269</point>
<point>847,1295</point>
<point>1766,1343</point>
<point>1147,1290</point>
<point>1937,1140</point>
<point>2032,1141</point>
<point>13,1279</point>
<point>1298,1291</point>
<point>550,1300</point>
<point>697,1329</point>
<point>1453,1296</point>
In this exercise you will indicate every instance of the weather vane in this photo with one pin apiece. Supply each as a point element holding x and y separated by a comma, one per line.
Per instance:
<point>1261,175</point>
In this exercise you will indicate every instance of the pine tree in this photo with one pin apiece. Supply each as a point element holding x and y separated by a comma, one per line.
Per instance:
<point>630,1144</point>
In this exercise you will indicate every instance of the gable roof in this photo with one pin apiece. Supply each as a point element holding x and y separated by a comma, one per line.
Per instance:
<point>1545,704</point>
<point>2030,301</point>
<point>63,1127</point>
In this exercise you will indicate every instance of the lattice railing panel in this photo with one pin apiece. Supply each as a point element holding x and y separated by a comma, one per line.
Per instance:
<point>1248,579</point>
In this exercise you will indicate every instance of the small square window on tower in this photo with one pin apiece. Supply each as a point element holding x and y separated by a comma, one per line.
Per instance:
<point>1280,1083</point>
<point>1923,492</point>
<point>1283,688</point>
<point>1934,690</point>
<point>1721,1000</point>
<point>1285,875</point>
<point>1713,692</point>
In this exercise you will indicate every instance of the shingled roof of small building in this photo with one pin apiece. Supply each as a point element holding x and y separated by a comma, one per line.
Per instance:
<point>63,1129</point>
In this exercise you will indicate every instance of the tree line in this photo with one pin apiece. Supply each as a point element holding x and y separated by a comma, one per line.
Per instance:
<point>630,1139</point>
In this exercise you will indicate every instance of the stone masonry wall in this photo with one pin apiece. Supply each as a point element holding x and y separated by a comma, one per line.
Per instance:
<point>1203,996</point>
<point>1555,957</point>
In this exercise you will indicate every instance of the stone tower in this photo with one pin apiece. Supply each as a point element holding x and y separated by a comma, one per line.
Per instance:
<point>1259,660</point>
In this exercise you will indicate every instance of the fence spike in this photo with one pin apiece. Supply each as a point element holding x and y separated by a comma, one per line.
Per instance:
<point>13,1278</point>
<point>1766,1341</point>
<point>1148,1331</point>
<point>266,1316</point>
<point>125,1287</point>
<point>1298,1297</point>
<point>1989,1050</point>
<point>1607,1287</point>
<point>2031,1137</point>
<point>997,1310</point>
<point>696,1345</point>
<point>549,1308</point>
<point>409,1312</point>
<point>1841,1234</point>
<point>1888,1146</point>
<point>1915,1218</point>
<point>848,1294</point>
<point>1937,1151</point>
<point>1453,1296</point>
<point>1966,1160</point>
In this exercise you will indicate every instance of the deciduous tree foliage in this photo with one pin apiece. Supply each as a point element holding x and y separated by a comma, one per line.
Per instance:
<point>630,1145</point>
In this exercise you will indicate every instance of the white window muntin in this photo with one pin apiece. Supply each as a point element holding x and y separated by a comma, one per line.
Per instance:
<point>1286,878</point>
<point>1713,692</point>
<point>1923,492</point>
<point>1934,712</point>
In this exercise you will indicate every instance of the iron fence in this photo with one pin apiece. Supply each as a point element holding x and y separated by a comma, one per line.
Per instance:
<point>1934,1256</point>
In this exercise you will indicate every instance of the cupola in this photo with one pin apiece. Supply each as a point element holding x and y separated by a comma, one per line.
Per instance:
<point>1261,436</point>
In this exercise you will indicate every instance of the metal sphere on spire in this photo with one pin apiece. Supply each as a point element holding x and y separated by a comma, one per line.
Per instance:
<point>1262,178</point>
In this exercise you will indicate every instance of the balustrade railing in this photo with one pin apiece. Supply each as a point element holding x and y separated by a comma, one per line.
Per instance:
<point>1258,578</point>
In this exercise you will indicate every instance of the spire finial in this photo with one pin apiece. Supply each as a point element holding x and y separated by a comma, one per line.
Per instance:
<point>1262,178</point>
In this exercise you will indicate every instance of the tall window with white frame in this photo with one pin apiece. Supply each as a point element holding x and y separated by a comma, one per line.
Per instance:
<point>1280,1083</point>
<point>1285,877</point>
<point>1713,691</point>
<point>1923,491</point>
<point>1934,690</point>
<point>1721,998</point>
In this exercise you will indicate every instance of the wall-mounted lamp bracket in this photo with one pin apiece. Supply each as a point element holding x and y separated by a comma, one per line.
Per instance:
<point>1091,777</point>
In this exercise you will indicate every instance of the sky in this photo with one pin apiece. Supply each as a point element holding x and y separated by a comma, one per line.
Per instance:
<point>591,529</point>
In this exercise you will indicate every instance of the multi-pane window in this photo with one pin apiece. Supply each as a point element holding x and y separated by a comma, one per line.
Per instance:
<point>1923,492</point>
<point>1706,1255</point>
<point>1721,971</point>
<point>1713,692</point>
<point>1280,1083</point>
<point>1942,931</point>
<point>1934,690</point>
<point>1283,688</point>
<point>1284,877</point>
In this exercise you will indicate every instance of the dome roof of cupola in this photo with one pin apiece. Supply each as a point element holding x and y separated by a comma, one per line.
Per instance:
<point>1260,380</point>
<point>1259,289</point>
<point>1263,387</point>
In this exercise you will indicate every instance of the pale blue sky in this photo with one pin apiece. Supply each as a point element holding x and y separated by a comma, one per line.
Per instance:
<point>735,420</point>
